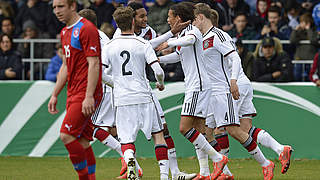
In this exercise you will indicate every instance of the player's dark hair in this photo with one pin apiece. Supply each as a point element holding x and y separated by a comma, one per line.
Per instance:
<point>135,6</point>
<point>185,10</point>
<point>89,14</point>
<point>202,8</point>
<point>275,9</point>
<point>123,17</point>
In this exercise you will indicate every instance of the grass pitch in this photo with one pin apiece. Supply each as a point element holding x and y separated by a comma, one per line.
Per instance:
<point>60,168</point>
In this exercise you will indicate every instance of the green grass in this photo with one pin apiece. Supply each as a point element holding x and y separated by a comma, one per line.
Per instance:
<point>60,168</point>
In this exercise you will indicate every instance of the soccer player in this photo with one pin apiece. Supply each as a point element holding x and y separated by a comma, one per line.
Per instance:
<point>81,68</point>
<point>104,119</point>
<point>194,110</point>
<point>141,29</point>
<point>135,108</point>
<point>220,53</point>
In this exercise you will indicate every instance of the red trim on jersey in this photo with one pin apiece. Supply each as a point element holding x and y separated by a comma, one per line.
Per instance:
<point>208,43</point>
<point>229,53</point>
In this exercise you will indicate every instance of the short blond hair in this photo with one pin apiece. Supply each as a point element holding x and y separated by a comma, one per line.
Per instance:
<point>202,8</point>
<point>124,17</point>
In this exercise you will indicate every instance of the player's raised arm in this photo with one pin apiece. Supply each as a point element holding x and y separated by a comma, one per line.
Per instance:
<point>169,58</point>
<point>61,81</point>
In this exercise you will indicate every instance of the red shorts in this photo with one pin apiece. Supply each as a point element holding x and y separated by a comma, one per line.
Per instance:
<point>75,123</point>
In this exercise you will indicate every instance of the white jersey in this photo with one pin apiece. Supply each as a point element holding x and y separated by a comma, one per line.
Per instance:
<point>146,33</point>
<point>128,56</point>
<point>193,65</point>
<point>217,44</point>
<point>103,41</point>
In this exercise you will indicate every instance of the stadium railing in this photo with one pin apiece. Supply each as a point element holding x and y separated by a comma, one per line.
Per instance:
<point>41,61</point>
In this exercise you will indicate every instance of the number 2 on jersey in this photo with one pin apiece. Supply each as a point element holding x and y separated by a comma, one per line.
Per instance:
<point>124,72</point>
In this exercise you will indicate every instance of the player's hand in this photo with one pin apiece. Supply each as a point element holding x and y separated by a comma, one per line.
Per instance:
<point>88,106</point>
<point>177,27</point>
<point>52,105</point>
<point>276,74</point>
<point>162,46</point>
<point>318,82</point>
<point>234,89</point>
<point>160,86</point>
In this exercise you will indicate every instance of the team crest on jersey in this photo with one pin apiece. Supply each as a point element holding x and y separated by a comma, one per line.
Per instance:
<point>208,43</point>
<point>76,32</point>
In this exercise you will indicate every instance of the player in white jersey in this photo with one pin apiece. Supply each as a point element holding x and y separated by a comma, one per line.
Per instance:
<point>144,31</point>
<point>104,117</point>
<point>194,110</point>
<point>135,109</point>
<point>247,111</point>
<point>220,53</point>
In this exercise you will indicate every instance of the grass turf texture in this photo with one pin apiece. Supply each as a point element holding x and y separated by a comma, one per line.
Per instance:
<point>60,168</point>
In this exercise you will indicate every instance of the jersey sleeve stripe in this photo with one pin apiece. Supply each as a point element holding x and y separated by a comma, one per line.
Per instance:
<point>155,61</point>
<point>219,34</point>
<point>229,53</point>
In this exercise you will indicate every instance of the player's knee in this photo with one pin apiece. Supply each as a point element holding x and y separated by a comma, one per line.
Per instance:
<point>233,131</point>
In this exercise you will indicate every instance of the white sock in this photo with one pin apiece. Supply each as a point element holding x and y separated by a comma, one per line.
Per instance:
<point>164,169</point>
<point>173,164</point>
<point>259,157</point>
<point>111,142</point>
<point>129,153</point>
<point>266,140</point>
<point>203,162</point>
<point>201,143</point>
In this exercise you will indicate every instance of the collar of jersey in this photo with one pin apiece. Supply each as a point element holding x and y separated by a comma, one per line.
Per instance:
<point>74,23</point>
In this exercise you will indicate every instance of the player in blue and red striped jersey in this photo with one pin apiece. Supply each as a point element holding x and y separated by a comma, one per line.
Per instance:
<point>81,68</point>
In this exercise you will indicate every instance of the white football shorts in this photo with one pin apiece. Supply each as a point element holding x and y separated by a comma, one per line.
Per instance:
<point>132,118</point>
<point>196,103</point>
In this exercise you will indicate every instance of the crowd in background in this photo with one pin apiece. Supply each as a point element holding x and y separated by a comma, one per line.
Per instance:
<point>266,20</point>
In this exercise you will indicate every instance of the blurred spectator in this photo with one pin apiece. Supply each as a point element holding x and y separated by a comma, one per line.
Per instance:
<point>271,66</point>
<point>230,9</point>
<point>247,58</point>
<point>54,65</point>
<point>314,74</point>
<point>277,3</point>
<point>103,10</point>
<point>40,13</point>
<point>6,11</point>
<point>260,17</point>
<point>173,72</point>
<point>7,27</point>
<point>216,6</point>
<point>158,15</point>
<point>10,60</point>
<point>275,26</point>
<point>292,9</point>
<point>41,50</point>
<point>241,30</point>
<point>108,29</point>
<point>316,16</point>
<point>252,5</point>
<point>308,5</point>
<point>304,31</point>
